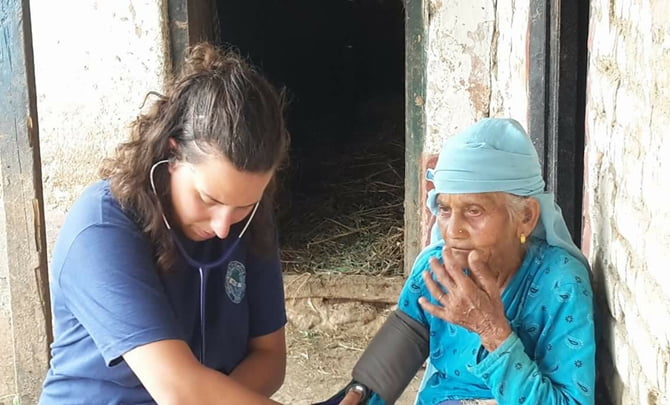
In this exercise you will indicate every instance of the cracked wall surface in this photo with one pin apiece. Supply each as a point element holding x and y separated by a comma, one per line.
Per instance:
<point>627,192</point>
<point>476,65</point>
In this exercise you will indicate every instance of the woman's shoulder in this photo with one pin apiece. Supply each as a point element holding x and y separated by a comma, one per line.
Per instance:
<point>94,223</point>
<point>421,261</point>
<point>556,265</point>
<point>96,208</point>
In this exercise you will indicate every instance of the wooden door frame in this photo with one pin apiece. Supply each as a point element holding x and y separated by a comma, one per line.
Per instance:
<point>416,44</point>
<point>23,206</point>
<point>190,21</point>
<point>557,100</point>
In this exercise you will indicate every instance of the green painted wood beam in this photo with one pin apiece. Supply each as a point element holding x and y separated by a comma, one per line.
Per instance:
<point>416,30</point>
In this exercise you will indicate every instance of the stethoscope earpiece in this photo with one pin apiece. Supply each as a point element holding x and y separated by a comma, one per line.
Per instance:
<point>153,187</point>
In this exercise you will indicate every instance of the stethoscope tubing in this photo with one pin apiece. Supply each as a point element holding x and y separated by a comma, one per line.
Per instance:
<point>203,267</point>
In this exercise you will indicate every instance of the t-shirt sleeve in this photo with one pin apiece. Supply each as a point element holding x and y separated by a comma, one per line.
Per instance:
<point>562,368</point>
<point>267,312</point>
<point>112,288</point>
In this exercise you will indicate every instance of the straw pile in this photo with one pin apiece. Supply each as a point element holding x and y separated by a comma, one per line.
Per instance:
<point>346,208</point>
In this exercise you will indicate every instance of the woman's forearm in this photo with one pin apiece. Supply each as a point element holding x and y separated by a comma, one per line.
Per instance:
<point>172,375</point>
<point>262,371</point>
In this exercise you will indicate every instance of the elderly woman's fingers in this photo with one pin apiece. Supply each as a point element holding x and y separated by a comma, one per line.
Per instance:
<point>441,273</point>
<point>435,290</point>
<point>435,310</point>
<point>480,271</point>
<point>453,269</point>
<point>352,398</point>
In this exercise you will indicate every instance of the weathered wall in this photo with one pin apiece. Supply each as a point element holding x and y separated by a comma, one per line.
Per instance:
<point>94,61</point>
<point>476,68</point>
<point>476,65</point>
<point>460,38</point>
<point>509,69</point>
<point>24,312</point>
<point>7,377</point>
<point>628,116</point>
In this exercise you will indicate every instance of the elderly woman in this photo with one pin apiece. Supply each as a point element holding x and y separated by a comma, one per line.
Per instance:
<point>502,297</point>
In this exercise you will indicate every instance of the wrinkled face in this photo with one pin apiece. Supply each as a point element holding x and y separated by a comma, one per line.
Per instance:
<point>210,196</point>
<point>478,221</point>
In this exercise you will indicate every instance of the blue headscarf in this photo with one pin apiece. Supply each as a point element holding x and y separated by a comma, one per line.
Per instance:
<point>497,155</point>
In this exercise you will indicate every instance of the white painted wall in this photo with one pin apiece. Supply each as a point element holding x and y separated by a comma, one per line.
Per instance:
<point>509,84</point>
<point>94,62</point>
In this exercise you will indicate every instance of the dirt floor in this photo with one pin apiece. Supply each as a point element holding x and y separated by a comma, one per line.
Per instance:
<point>319,365</point>
<point>331,320</point>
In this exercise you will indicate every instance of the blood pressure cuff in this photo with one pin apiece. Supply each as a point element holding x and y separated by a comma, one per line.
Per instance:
<point>391,359</point>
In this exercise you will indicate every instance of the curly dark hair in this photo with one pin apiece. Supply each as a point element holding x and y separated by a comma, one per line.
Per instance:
<point>218,105</point>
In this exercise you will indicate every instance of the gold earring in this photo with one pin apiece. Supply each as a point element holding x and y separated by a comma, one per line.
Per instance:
<point>523,239</point>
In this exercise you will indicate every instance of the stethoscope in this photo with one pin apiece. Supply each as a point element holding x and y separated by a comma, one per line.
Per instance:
<point>203,267</point>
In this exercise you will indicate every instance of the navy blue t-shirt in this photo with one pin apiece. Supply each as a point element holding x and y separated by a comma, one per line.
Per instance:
<point>108,298</point>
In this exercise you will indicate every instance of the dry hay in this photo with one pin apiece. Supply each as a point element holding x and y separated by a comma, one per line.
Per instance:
<point>346,210</point>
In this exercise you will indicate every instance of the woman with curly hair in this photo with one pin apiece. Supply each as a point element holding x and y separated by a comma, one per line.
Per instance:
<point>166,284</point>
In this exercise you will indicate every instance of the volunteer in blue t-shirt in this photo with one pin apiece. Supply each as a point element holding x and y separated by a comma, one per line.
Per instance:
<point>165,279</point>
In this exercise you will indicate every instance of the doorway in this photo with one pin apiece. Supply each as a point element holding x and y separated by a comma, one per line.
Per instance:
<point>342,66</point>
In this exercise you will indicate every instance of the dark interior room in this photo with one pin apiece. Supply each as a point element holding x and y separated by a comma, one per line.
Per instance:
<point>341,64</point>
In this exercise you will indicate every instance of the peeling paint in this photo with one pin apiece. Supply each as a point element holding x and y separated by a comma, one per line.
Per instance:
<point>479,89</point>
<point>455,85</point>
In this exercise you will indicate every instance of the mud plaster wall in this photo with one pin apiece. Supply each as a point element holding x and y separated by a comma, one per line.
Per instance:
<point>627,193</point>
<point>476,68</point>
<point>355,304</point>
<point>94,61</point>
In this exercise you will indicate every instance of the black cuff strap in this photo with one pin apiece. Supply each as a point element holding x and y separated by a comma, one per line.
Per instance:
<point>393,357</point>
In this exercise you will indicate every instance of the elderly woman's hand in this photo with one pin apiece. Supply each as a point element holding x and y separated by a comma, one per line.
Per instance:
<point>352,398</point>
<point>472,302</point>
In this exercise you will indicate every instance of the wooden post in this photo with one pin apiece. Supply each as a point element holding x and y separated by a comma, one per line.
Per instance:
<point>416,20</point>
<point>557,98</point>
<point>23,263</point>
<point>190,21</point>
